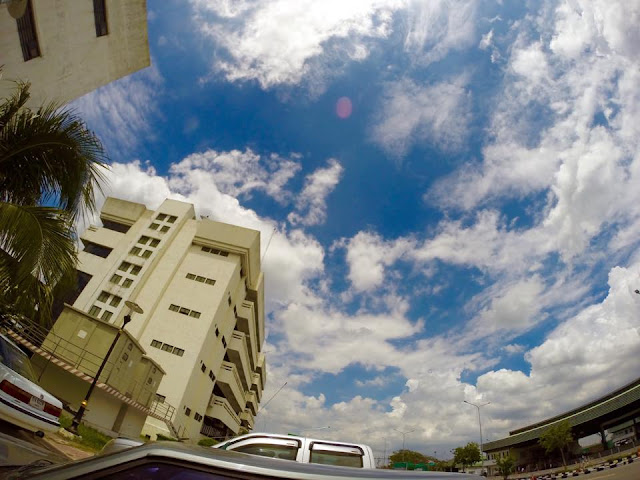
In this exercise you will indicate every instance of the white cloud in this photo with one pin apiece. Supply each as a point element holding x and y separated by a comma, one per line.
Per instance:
<point>312,199</point>
<point>514,348</point>
<point>238,173</point>
<point>261,48</point>
<point>436,114</point>
<point>122,110</point>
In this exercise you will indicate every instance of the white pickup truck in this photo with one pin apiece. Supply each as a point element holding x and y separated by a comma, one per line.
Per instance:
<point>302,449</point>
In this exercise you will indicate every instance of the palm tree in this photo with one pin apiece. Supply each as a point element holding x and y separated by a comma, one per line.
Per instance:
<point>50,168</point>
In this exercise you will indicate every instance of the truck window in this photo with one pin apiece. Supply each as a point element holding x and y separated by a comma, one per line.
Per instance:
<point>336,455</point>
<point>268,450</point>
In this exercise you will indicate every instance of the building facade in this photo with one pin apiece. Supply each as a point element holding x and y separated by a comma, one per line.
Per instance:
<point>201,287</point>
<point>67,48</point>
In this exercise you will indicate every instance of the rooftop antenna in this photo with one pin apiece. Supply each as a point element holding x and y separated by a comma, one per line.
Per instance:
<point>268,243</point>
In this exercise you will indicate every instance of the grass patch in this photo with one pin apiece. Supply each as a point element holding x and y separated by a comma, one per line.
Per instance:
<point>90,438</point>
<point>161,437</point>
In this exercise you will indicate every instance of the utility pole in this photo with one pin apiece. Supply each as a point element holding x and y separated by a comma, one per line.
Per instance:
<point>403,452</point>
<point>480,424</point>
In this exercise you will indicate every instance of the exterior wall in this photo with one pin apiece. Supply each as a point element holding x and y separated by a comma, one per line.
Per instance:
<point>73,60</point>
<point>232,304</point>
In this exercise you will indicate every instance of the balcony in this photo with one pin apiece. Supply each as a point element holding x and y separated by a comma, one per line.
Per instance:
<point>247,327</point>
<point>219,408</point>
<point>102,236</point>
<point>252,402</point>
<point>246,418</point>
<point>256,385</point>
<point>262,368</point>
<point>229,382</point>
<point>239,355</point>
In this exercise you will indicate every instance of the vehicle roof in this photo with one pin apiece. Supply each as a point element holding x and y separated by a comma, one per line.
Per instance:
<point>230,461</point>
<point>292,437</point>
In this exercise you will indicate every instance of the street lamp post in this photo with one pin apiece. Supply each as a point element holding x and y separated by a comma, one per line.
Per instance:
<point>480,424</point>
<point>133,307</point>
<point>403,452</point>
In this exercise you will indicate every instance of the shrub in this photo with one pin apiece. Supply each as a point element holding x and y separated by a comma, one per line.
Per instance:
<point>161,437</point>
<point>207,442</point>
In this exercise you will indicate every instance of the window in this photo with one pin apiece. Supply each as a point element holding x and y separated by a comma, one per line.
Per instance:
<point>287,452</point>
<point>174,308</point>
<point>27,34</point>
<point>229,300</point>
<point>154,370</point>
<point>146,254</point>
<point>154,242</point>
<point>235,311</point>
<point>178,351</point>
<point>103,297</point>
<point>127,282</point>
<point>124,266</point>
<point>212,376</point>
<point>217,332</point>
<point>115,226</point>
<point>115,278</point>
<point>191,276</point>
<point>130,346</point>
<point>95,311</point>
<point>184,311</point>
<point>224,342</point>
<point>161,216</point>
<point>160,398</point>
<point>125,356</point>
<point>172,219</point>
<point>197,417</point>
<point>194,314</point>
<point>215,251</point>
<point>100,16</point>
<point>330,457</point>
<point>135,250</point>
<point>149,380</point>
<point>95,249</point>
<point>203,368</point>
<point>115,301</point>
<point>144,239</point>
<point>164,229</point>
<point>154,226</point>
<point>156,343</point>
<point>136,270</point>
<point>166,347</point>
<point>187,411</point>
<point>106,315</point>
<point>210,281</point>
<point>200,279</point>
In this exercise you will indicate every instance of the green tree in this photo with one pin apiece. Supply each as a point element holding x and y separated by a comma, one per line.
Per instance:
<point>409,456</point>
<point>50,168</point>
<point>506,465</point>
<point>467,455</point>
<point>557,437</point>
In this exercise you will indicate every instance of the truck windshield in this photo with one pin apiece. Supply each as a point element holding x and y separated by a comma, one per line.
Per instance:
<point>14,358</point>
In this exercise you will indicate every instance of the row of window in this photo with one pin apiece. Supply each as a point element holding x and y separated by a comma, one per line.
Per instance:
<point>138,252</point>
<point>196,416</point>
<point>114,300</point>
<point>165,347</point>
<point>95,312</point>
<point>184,311</point>
<point>163,217</point>
<point>215,251</point>
<point>115,278</point>
<point>130,268</point>
<point>156,226</point>
<point>153,242</point>
<point>29,38</point>
<point>201,279</point>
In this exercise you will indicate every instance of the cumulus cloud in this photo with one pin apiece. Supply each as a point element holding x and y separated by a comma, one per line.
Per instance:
<point>436,114</point>
<point>311,202</point>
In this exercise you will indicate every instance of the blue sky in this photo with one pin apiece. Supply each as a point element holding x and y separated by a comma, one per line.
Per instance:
<point>468,230</point>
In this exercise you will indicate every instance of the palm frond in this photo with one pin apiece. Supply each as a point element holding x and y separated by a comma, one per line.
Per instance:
<point>39,242</point>
<point>50,157</point>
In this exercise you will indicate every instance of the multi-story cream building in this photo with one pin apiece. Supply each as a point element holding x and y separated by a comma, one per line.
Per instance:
<point>200,285</point>
<point>67,48</point>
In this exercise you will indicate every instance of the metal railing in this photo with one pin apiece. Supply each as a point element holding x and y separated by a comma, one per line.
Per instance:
<point>40,341</point>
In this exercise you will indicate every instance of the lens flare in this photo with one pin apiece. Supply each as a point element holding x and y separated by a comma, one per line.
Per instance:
<point>344,107</point>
